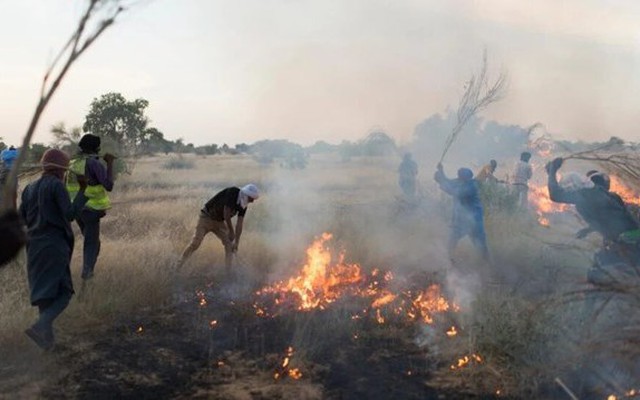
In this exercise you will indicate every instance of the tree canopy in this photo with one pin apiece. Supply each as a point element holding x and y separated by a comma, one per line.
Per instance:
<point>120,121</point>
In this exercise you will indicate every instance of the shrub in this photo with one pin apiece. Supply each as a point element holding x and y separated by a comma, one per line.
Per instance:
<point>178,163</point>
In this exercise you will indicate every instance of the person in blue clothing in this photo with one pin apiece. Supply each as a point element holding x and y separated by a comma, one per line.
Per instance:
<point>467,216</point>
<point>8,156</point>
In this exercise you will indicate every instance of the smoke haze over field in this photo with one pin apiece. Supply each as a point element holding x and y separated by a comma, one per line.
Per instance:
<point>224,71</point>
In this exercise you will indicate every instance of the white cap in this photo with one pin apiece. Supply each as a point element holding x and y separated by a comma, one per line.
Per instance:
<point>251,190</point>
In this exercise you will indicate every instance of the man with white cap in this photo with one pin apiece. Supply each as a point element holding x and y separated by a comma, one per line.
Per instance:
<point>216,216</point>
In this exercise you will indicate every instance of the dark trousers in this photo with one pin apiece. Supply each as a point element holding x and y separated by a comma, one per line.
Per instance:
<point>50,310</point>
<point>89,223</point>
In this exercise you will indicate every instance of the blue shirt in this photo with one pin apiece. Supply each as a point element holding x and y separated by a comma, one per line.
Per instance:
<point>8,156</point>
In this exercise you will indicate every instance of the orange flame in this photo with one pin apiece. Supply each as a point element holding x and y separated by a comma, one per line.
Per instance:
<point>321,282</point>
<point>285,370</point>
<point>628,195</point>
<point>466,361</point>
<point>542,203</point>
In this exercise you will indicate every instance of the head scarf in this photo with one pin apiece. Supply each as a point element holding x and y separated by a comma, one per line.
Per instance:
<point>247,191</point>
<point>89,143</point>
<point>600,179</point>
<point>465,174</point>
<point>54,162</point>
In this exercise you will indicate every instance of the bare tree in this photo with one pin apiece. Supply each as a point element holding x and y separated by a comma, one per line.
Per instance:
<point>98,16</point>
<point>479,93</point>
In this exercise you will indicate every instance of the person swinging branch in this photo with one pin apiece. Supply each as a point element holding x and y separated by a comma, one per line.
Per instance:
<point>216,217</point>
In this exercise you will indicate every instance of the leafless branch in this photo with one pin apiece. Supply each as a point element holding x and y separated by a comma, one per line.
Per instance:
<point>79,41</point>
<point>478,95</point>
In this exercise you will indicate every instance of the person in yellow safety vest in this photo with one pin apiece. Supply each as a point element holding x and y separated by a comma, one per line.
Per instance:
<point>99,182</point>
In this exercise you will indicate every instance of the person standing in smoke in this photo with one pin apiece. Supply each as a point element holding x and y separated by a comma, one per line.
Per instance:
<point>216,216</point>
<point>47,211</point>
<point>486,173</point>
<point>521,177</point>
<point>407,172</point>
<point>467,216</point>
<point>99,182</point>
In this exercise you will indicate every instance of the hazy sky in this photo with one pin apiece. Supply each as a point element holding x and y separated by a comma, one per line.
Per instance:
<point>217,71</point>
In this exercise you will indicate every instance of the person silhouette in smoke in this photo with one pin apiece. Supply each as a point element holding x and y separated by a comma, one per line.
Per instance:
<point>407,172</point>
<point>604,212</point>
<point>467,216</point>
<point>521,178</point>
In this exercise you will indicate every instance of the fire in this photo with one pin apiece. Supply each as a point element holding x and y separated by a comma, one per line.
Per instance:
<point>202,301</point>
<point>140,329</point>
<point>285,370</point>
<point>213,323</point>
<point>428,303</point>
<point>321,282</point>
<point>542,204</point>
<point>628,195</point>
<point>466,361</point>
<point>452,331</point>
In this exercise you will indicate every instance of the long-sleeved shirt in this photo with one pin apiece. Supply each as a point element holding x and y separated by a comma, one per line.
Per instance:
<point>98,174</point>
<point>467,207</point>
<point>604,211</point>
<point>522,173</point>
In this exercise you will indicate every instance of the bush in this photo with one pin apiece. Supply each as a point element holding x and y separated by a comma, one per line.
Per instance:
<point>178,163</point>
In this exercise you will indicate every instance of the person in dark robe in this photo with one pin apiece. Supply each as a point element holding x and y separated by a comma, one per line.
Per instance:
<point>467,216</point>
<point>47,212</point>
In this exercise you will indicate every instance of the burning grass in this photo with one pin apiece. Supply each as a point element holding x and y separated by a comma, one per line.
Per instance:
<point>361,313</point>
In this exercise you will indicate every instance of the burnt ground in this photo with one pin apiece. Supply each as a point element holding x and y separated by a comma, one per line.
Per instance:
<point>176,351</point>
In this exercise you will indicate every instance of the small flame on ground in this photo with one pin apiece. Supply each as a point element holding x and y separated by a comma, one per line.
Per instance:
<point>140,329</point>
<point>213,323</point>
<point>452,331</point>
<point>202,301</point>
<point>466,360</point>
<point>284,369</point>
<point>220,363</point>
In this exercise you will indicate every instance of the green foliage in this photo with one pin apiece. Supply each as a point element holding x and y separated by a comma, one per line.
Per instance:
<point>498,197</point>
<point>121,122</point>
<point>209,149</point>
<point>66,138</point>
<point>36,150</point>
<point>292,154</point>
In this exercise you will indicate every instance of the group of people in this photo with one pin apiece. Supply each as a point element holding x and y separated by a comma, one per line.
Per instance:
<point>602,210</point>
<point>467,218</point>
<point>77,189</point>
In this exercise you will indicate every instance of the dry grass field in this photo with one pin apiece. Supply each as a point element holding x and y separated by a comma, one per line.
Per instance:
<point>516,313</point>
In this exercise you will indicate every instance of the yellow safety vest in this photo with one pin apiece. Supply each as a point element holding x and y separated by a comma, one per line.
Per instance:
<point>97,196</point>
